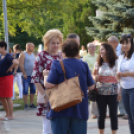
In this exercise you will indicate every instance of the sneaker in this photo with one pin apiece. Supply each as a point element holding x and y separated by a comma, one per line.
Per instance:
<point>32,106</point>
<point>125,117</point>
<point>26,107</point>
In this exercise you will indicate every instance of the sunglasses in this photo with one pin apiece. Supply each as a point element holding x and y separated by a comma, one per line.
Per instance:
<point>128,34</point>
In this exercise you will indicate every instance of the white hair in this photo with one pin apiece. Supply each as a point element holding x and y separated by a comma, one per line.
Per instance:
<point>88,45</point>
<point>113,38</point>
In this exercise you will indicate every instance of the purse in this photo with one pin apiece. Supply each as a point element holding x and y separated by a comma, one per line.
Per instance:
<point>65,94</point>
<point>92,96</point>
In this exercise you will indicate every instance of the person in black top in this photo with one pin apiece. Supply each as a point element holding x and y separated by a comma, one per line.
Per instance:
<point>17,73</point>
<point>7,63</point>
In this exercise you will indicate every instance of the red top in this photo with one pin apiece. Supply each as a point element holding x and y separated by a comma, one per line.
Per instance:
<point>43,61</point>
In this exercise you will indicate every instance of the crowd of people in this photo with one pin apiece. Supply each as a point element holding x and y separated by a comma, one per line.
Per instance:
<point>111,70</point>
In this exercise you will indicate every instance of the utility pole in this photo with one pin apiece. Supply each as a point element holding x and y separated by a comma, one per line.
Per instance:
<point>5,23</point>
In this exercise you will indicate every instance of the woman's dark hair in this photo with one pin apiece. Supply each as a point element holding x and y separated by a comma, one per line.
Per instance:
<point>70,48</point>
<point>17,47</point>
<point>126,38</point>
<point>3,44</point>
<point>110,55</point>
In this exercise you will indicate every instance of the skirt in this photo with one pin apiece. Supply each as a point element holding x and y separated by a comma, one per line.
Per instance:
<point>6,86</point>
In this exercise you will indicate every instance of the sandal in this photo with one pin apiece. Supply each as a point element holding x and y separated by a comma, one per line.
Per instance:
<point>4,119</point>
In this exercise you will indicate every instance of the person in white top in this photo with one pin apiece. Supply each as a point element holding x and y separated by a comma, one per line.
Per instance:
<point>126,76</point>
<point>114,42</point>
<point>83,52</point>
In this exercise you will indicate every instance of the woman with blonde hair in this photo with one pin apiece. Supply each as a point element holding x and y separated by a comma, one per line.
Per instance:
<point>53,39</point>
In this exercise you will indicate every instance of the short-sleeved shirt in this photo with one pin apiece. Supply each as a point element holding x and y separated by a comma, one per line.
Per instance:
<point>16,56</point>
<point>90,60</point>
<point>5,64</point>
<point>118,50</point>
<point>83,53</point>
<point>106,70</point>
<point>73,68</point>
<point>126,65</point>
<point>43,61</point>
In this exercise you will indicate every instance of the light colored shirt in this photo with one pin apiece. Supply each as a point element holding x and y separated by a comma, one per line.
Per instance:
<point>29,63</point>
<point>118,50</point>
<point>83,53</point>
<point>106,70</point>
<point>126,65</point>
<point>90,60</point>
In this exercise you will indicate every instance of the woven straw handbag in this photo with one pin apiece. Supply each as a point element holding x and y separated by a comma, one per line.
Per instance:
<point>65,94</point>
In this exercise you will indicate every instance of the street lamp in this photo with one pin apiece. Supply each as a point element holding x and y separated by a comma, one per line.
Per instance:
<point>5,23</point>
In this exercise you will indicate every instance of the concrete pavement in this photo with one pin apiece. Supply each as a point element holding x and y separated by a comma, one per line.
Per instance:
<point>26,122</point>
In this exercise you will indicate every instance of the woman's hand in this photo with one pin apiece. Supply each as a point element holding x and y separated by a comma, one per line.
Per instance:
<point>45,72</point>
<point>125,74</point>
<point>46,99</point>
<point>97,77</point>
<point>9,70</point>
<point>14,73</point>
<point>119,97</point>
<point>119,75</point>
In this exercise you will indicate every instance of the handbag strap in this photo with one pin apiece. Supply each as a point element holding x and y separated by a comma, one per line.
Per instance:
<point>63,69</point>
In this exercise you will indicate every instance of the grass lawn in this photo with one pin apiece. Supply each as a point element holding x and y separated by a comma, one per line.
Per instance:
<point>20,101</point>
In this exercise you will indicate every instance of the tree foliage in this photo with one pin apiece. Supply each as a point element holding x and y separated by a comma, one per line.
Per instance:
<point>117,17</point>
<point>36,17</point>
<point>79,20</point>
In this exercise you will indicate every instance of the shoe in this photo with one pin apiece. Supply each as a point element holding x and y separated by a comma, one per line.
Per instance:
<point>26,107</point>
<point>120,115</point>
<point>94,116</point>
<point>4,119</point>
<point>125,117</point>
<point>32,106</point>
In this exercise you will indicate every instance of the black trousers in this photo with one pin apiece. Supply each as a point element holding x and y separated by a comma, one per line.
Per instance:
<point>102,102</point>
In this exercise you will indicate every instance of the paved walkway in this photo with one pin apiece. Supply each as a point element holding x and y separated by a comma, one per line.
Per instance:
<point>26,122</point>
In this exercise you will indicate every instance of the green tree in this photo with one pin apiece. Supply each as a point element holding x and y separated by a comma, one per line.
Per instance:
<point>79,20</point>
<point>22,38</point>
<point>37,17</point>
<point>117,17</point>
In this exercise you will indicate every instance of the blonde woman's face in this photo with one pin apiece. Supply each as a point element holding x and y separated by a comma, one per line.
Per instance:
<point>54,45</point>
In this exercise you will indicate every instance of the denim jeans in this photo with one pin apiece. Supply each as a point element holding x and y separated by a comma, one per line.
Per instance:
<point>128,101</point>
<point>63,125</point>
<point>26,84</point>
